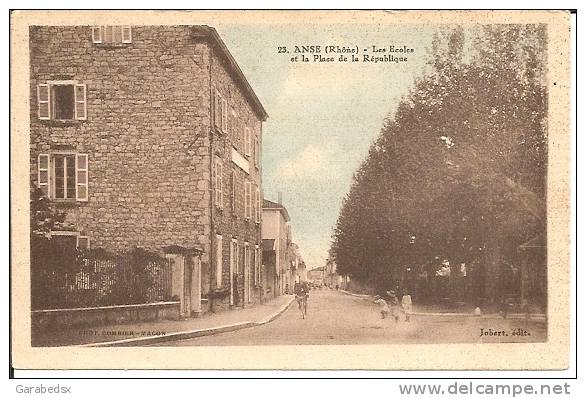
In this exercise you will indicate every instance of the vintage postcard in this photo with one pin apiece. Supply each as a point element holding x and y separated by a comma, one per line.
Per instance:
<point>290,189</point>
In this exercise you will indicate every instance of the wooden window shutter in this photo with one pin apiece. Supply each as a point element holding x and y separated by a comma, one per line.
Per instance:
<point>234,192</point>
<point>126,34</point>
<point>221,184</point>
<point>215,181</point>
<point>81,177</point>
<point>80,102</point>
<point>246,199</point>
<point>257,206</point>
<point>224,116</point>
<point>246,141</point>
<point>107,34</point>
<point>44,101</point>
<point>217,109</point>
<point>256,152</point>
<point>97,34</point>
<point>44,176</point>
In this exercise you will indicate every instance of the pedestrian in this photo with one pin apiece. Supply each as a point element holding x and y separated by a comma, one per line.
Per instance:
<point>384,307</point>
<point>504,306</point>
<point>393,303</point>
<point>407,304</point>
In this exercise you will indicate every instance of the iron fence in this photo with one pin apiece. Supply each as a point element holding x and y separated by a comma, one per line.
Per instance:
<point>97,282</point>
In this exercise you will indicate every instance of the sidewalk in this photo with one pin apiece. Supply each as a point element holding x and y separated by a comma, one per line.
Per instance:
<point>145,333</point>
<point>421,310</point>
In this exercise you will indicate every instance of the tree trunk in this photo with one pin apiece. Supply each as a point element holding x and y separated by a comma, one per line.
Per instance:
<point>493,271</point>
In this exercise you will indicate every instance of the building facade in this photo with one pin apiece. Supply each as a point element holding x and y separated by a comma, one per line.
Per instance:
<point>150,136</point>
<point>317,275</point>
<point>276,232</point>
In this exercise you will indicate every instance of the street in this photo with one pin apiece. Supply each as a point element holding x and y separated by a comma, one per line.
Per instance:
<point>336,318</point>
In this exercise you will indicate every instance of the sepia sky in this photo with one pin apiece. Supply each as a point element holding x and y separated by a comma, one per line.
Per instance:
<point>322,117</point>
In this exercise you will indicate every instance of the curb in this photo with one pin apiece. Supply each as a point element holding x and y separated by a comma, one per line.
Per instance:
<point>190,334</point>
<point>364,296</point>
<point>533,317</point>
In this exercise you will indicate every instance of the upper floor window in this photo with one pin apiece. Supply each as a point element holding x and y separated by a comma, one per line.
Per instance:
<point>64,176</point>
<point>62,100</point>
<point>220,112</point>
<point>112,34</point>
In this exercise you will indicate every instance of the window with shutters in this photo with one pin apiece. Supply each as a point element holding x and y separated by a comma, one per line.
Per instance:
<point>62,100</point>
<point>218,182</point>
<point>112,34</point>
<point>64,176</point>
<point>220,113</point>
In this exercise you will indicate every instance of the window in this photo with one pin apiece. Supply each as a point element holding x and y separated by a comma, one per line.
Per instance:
<point>218,181</point>
<point>218,261</point>
<point>65,239</point>
<point>64,176</point>
<point>63,100</point>
<point>220,112</point>
<point>83,242</point>
<point>112,34</point>
<point>247,200</point>
<point>257,205</point>
<point>71,239</point>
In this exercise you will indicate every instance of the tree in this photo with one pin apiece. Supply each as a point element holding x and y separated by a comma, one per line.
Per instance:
<point>459,172</point>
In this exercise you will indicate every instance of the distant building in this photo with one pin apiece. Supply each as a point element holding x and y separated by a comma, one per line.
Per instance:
<point>332,278</point>
<point>317,275</point>
<point>276,232</point>
<point>302,272</point>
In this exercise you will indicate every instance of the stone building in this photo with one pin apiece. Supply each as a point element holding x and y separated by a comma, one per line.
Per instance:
<point>150,136</point>
<point>276,235</point>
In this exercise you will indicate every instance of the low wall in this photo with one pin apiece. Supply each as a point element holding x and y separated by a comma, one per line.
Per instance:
<point>75,317</point>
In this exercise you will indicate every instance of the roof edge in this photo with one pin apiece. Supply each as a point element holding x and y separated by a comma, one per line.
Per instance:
<point>212,35</point>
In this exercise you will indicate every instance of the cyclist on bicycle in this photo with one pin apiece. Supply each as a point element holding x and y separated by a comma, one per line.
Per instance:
<point>301,295</point>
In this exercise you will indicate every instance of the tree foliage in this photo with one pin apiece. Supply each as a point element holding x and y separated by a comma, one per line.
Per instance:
<point>460,168</point>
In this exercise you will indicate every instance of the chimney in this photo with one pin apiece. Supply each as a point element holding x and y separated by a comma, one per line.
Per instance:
<point>280,197</point>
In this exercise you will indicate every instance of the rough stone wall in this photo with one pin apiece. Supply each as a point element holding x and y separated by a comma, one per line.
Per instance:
<point>226,222</point>
<point>146,133</point>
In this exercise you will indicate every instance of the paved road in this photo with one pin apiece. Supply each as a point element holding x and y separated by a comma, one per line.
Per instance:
<point>337,318</point>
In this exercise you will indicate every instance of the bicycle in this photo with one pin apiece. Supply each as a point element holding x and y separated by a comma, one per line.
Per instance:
<point>302,302</point>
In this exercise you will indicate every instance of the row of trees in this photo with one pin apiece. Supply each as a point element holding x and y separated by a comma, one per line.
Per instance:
<point>459,171</point>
